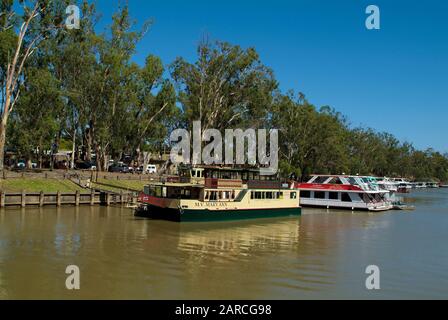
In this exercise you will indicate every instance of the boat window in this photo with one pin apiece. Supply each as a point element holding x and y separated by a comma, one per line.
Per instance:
<point>345,197</point>
<point>364,197</point>
<point>293,195</point>
<point>333,195</point>
<point>280,195</point>
<point>206,195</point>
<point>252,195</point>
<point>213,196</point>
<point>269,195</point>
<point>305,194</point>
<point>319,194</point>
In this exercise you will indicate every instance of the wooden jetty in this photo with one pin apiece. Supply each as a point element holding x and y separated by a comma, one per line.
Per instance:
<point>77,198</point>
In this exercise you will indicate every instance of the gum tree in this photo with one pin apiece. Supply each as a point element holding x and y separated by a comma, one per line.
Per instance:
<point>20,35</point>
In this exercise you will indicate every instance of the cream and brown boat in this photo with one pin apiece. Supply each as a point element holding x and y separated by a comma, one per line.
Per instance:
<point>223,194</point>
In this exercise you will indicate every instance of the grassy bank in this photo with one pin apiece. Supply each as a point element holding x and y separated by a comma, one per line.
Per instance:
<point>37,185</point>
<point>120,185</point>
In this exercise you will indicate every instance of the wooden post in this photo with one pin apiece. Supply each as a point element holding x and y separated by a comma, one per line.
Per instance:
<point>107,199</point>
<point>2,199</point>
<point>77,198</point>
<point>23,198</point>
<point>92,197</point>
<point>58,199</point>
<point>41,199</point>
<point>121,197</point>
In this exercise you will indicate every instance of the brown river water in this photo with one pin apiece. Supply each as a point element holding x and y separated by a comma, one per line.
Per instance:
<point>320,255</point>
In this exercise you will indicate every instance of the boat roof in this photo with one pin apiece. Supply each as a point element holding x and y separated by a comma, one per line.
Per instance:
<point>336,188</point>
<point>177,184</point>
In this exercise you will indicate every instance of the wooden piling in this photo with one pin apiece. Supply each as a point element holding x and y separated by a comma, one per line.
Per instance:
<point>92,198</point>
<point>77,196</point>
<point>23,199</point>
<point>58,199</point>
<point>41,199</point>
<point>2,200</point>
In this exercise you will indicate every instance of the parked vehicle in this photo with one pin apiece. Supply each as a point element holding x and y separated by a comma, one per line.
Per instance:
<point>85,165</point>
<point>21,165</point>
<point>119,168</point>
<point>150,168</point>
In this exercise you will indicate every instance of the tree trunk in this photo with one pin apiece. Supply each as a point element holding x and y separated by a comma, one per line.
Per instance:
<point>29,164</point>
<point>40,159</point>
<point>146,157</point>
<point>2,143</point>
<point>89,141</point>
<point>99,163</point>
<point>72,161</point>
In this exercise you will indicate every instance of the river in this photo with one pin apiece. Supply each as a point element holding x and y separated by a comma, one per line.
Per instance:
<point>320,255</point>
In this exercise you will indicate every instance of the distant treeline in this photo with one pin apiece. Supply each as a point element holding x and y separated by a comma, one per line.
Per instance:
<point>81,87</point>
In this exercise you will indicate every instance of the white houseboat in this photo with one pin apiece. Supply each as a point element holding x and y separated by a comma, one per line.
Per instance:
<point>345,192</point>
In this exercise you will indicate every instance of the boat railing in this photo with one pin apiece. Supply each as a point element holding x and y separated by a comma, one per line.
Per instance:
<point>266,184</point>
<point>223,183</point>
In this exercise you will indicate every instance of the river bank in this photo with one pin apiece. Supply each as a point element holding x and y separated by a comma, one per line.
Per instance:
<point>71,181</point>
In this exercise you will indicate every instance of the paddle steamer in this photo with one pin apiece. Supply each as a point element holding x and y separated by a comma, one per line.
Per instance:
<point>219,194</point>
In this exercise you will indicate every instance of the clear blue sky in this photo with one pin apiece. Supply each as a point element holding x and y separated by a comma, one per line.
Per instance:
<point>394,79</point>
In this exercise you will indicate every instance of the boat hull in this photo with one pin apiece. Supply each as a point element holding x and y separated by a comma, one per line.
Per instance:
<point>346,207</point>
<point>189,215</point>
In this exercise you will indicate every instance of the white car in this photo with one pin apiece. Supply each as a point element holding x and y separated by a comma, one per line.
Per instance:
<point>150,168</point>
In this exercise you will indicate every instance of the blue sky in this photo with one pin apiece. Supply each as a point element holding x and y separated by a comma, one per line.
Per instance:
<point>394,79</point>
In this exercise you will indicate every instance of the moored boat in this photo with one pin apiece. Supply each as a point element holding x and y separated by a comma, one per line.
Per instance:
<point>404,186</point>
<point>344,192</point>
<point>226,194</point>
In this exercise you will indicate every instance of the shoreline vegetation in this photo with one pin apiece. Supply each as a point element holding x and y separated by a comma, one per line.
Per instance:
<point>80,90</point>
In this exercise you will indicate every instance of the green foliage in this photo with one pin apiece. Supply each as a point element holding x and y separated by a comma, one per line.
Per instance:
<point>81,90</point>
<point>34,125</point>
<point>226,87</point>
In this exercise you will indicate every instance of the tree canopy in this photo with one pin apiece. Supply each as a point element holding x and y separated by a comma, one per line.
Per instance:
<point>81,89</point>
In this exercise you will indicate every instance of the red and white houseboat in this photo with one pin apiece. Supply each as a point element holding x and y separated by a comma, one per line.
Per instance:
<point>344,192</point>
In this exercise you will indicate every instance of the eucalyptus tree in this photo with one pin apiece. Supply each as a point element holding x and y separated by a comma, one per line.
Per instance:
<point>310,140</point>
<point>71,57</point>
<point>226,87</point>
<point>20,35</point>
<point>153,112</point>
<point>34,124</point>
